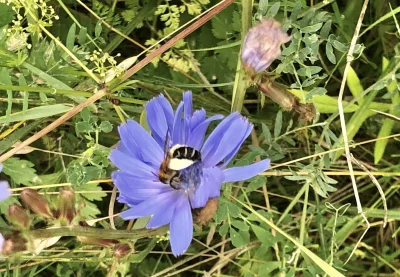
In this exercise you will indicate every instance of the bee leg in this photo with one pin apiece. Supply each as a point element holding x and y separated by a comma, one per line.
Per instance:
<point>175,181</point>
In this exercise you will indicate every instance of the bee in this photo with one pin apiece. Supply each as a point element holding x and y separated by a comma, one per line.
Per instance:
<point>177,158</point>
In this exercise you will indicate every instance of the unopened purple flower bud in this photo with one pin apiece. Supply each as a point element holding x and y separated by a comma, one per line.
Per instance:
<point>36,203</point>
<point>121,250</point>
<point>18,216</point>
<point>13,244</point>
<point>262,45</point>
<point>66,206</point>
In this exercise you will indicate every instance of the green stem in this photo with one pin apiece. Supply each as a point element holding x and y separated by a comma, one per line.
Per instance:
<point>65,92</point>
<point>97,233</point>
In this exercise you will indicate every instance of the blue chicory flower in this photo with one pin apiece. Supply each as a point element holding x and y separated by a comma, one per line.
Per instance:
<point>4,194</point>
<point>4,188</point>
<point>139,156</point>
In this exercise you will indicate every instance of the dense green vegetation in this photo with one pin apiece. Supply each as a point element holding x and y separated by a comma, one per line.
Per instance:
<point>87,66</point>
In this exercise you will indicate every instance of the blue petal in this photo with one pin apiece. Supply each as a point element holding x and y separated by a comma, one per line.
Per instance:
<point>138,189</point>
<point>127,144</point>
<point>198,117</point>
<point>181,227</point>
<point>188,104</point>
<point>230,156</point>
<point>4,190</point>
<point>177,133</point>
<point>234,135</point>
<point>242,173</point>
<point>131,165</point>
<point>151,152</point>
<point>196,138</point>
<point>152,206</point>
<point>167,109</point>
<point>209,188</point>
<point>164,217</point>
<point>160,118</point>
<point>210,146</point>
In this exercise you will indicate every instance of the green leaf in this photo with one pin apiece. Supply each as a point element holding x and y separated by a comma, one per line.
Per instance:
<point>35,113</point>
<point>256,183</point>
<point>240,225</point>
<point>223,230</point>
<point>82,35</point>
<point>326,29</point>
<point>21,172</point>
<point>354,84</point>
<point>106,126</point>
<point>387,124</point>
<point>278,124</point>
<point>329,53</point>
<point>85,114</point>
<point>84,127</point>
<point>318,91</point>
<point>264,236</point>
<point>6,14</point>
<point>71,37</point>
<point>267,133</point>
<point>312,28</point>
<point>98,29</point>
<point>273,10</point>
<point>89,211</point>
<point>240,238</point>
<point>93,191</point>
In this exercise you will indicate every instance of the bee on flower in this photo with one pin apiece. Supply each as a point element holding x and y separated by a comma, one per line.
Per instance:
<point>194,173</point>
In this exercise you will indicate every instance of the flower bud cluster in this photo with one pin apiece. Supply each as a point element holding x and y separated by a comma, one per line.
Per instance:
<point>103,62</point>
<point>17,34</point>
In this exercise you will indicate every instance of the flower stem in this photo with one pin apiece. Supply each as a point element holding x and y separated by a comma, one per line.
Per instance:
<point>97,232</point>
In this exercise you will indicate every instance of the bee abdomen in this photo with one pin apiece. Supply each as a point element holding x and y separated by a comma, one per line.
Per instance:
<point>186,152</point>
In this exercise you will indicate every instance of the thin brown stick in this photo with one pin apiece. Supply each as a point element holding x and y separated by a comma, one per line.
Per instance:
<point>54,124</point>
<point>175,39</point>
<point>343,122</point>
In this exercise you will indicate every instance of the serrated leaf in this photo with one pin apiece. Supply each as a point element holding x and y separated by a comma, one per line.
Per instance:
<point>93,191</point>
<point>89,211</point>
<point>256,183</point>
<point>21,171</point>
<point>278,124</point>
<point>84,127</point>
